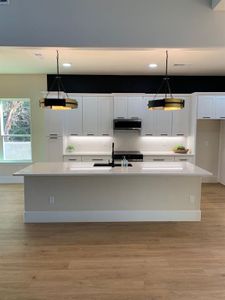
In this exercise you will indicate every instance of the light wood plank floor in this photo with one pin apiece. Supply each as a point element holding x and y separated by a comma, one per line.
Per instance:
<point>132,261</point>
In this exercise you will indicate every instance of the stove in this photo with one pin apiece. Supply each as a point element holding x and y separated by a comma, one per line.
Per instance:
<point>129,155</point>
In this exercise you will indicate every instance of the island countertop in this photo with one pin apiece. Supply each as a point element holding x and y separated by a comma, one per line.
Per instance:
<point>88,169</point>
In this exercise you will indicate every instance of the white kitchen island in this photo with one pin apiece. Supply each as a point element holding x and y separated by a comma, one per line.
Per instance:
<point>80,192</point>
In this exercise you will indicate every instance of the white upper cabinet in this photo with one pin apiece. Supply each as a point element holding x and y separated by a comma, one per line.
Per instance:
<point>134,107</point>
<point>53,122</point>
<point>98,116</point>
<point>163,122</point>
<point>180,124</point>
<point>220,107</point>
<point>73,119</point>
<point>127,107</point>
<point>120,107</point>
<point>105,116</point>
<point>148,119</point>
<point>206,107</point>
<point>90,116</point>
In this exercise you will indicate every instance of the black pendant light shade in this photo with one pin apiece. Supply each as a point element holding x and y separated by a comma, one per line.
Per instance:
<point>62,100</point>
<point>166,103</point>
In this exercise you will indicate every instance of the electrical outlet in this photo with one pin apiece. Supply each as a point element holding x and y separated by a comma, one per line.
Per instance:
<point>51,200</point>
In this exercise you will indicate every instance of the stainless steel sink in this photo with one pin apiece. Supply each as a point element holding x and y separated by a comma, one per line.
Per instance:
<point>110,165</point>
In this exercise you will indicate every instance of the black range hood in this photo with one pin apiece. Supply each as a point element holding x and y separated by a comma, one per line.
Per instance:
<point>127,124</point>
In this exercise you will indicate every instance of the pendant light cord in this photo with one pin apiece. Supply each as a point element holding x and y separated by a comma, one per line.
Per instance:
<point>57,80</point>
<point>165,81</point>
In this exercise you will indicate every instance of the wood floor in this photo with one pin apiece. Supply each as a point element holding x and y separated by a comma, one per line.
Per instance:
<point>135,261</point>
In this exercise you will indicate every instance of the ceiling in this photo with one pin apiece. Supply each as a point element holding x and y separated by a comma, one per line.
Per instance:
<point>14,60</point>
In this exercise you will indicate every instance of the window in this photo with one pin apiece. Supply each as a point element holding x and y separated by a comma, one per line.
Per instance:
<point>15,129</point>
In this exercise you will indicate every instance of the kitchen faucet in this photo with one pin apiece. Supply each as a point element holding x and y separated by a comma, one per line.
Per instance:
<point>113,163</point>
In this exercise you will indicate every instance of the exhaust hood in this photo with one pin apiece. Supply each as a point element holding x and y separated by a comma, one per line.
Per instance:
<point>127,124</point>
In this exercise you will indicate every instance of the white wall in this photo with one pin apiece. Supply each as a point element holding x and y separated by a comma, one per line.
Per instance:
<point>107,23</point>
<point>207,146</point>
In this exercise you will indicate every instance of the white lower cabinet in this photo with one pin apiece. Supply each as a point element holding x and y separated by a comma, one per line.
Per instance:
<point>158,158</point>
<point>71,158</point>
<point>184,158</point>
<point>54,149</point>
<point>96,158</point>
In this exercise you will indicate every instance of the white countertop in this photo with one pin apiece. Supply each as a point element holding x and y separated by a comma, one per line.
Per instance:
<point>87,169</point>
<point>150,153</point>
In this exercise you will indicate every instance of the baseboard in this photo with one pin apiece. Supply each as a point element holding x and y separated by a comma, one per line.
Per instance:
<point>110,216</point>
<point>211,179</point>
<point>10,179</point>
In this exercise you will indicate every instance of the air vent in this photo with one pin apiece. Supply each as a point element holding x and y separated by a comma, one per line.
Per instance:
<point>4,1</point>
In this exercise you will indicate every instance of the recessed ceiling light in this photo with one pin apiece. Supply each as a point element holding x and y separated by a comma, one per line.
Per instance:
<point>67,65</point>
<point>153,66</point>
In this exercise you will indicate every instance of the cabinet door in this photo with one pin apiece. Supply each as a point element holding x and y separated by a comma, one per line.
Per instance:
<point>54,149</point>
<point>134,107</point>
<point>220,107</point>
<point>73,120</point>
<point>96,159</point>
<point>163,123</point>
<point>120,107</point>
<point>53,122</point>
<point>72,158</point>
<point>206,107</point>
<point>90,116</point>
<point>180,122</point>
<point>148,119</point>
<point>105,116</point>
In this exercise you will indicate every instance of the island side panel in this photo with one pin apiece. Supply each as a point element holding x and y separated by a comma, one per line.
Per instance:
<point>112,198</point>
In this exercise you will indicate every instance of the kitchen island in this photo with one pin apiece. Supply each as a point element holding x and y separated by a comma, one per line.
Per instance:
<point>80,192</point>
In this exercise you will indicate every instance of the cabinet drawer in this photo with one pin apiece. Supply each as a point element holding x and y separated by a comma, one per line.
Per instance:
<point>97,158</point>
<point>158,158</point>
<point>72,158</point>
<point>183,158</point>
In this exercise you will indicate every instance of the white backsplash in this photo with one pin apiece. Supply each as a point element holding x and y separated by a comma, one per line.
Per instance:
<point>124,140</point>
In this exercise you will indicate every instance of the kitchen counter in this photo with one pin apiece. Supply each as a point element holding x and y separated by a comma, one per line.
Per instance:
<point>79,192</point>
<point>88,169</point>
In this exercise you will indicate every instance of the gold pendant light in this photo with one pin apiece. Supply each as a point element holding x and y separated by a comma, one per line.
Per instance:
<point>62,101</point>
<point>167,103</point>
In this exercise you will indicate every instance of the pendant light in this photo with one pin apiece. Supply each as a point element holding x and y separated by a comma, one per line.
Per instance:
<point>167,103</point>
<point>62,100</point>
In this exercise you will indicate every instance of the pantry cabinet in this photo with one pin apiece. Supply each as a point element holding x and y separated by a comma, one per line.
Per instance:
<point>53,122</point>
<point>211,107</point>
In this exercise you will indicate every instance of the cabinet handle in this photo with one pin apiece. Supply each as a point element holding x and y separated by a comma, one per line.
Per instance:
<point>183,159</point>
<point>180,134</point>
<point>53,138</point>
<point>148,134</point>
<point>206,117</point>
<point>72,159</point>
<point>97,159</point>
<point>158,159</point>
<point>53,134</point>
<point>73,134</point>
<point>163,134</point>
<point>120,118</point>
<point>105,134</point>
<point>90,134</point>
